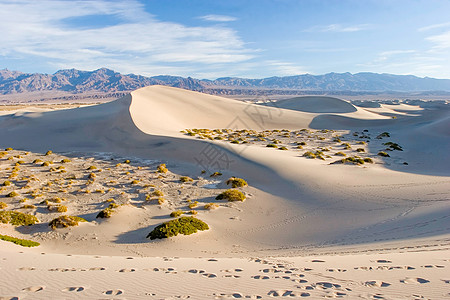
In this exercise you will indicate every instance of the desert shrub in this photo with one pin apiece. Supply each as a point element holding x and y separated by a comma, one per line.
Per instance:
<point>20,162</point>
<point>162,168</point>
<point>65,161</point>
<point>92,168</point>
<point>215,174</point>
<point>393,146</point>
<point>236,182</point>
<point>193,204</point>
<point>183,225</point>
<point>49,152</point>
<point>337,139</point>
<point>12,195</point>
<point>360,150</point>
<point>383,154</point>
<point>383,134</point>
<point>9,149</point>
<point>7,183</point>
<point>346,146</point>
<point>17,218</point>
<point>46,163</point>
<point>158,193</point>
<point>3,205</point>
<point>28,206</point>
<point>20,242</point>
<point>309,154</point>
<point>193,212</point>
<point>161,200</point>
<point>235,142</point>
<point>176,213</point>
<point>210,206</point>
<point>231,195</point>
<point>361,142</point>
<point>271,146</point>
<point>108,212</point>
<point>135,181</point>
<point>186,179</point>
<point>299,147</point>
<point>368,160</point>
<point>92,176</point>
<point>65,221</point>
<point>340,153</point>
<point>127,161</point>
<point>57,208</point>
<point>351,160</point>
<point>283,148</point>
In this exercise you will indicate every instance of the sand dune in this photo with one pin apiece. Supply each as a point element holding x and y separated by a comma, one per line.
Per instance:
<point>294,205</point>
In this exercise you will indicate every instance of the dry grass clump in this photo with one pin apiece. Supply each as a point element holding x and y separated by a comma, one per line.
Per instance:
<point>236,182</point>
<point>28,206</point>
<point>176,213</point>
<point>12,194</point>
<point>393,146</point>
<point>271,146</point>
<point>360,150</point>
<point>210,206</point>
<point>340,154</point>
<point>193,204</point>
<point>17,218</point>
<point>65,161</point>
<point>92,168</point>
<point>162,168</point>
<point>57,208</point>
<point>318,154</point>
<point>283,148</point>
<point>135,181</point>
<point>383,134</point>
<point>231,195</point>
<point>7,183</point>
<point>65,221</point>
<point>49,152</point>
<point>183,225</point>
<point>46,163</point>
<point>186,179</point>
<point>383,154</point>
<point>346,146</point>
<point>158,193</point>
<point>355,160</point>
<point>20,242</point>
<point>3,205</point>
<point>215,174</point>
<point>108,212</point>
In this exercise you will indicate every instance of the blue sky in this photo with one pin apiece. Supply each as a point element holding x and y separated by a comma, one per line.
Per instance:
<point>244,38</point>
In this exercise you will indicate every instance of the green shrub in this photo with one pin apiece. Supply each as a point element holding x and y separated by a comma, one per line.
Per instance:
<point>193,204</point>
<point>7,183</point>
<point>231,195</point>
<point>108,212</point>
<point>352,160</point>
<point>340,154</point>
<point>383,154</point>
<point>183,225</point>
<point>28,206</point>
<point>20,242</point>
<point>382,135</point>
<point>17,218</point>
<point>360,150</point>
<point>215,174</point>
<point>346,146</point>
<point>193,212</point>
<point>46,163</point>
<point>283,148</point>
<point>3,205</point>
<point>393,146</point>
<point>176,213</point>
<point>368,160</point>
<point>37,161</point>
<point>271,146</point>
<point>12,194</point>
<point>235,142</point>
<point>309,154</point>
<point>236,182</point>
<point>162,168</point>
<point>65,221</point>
<point>57,208</point>
<point>186,179</point>
<point>157,193</point>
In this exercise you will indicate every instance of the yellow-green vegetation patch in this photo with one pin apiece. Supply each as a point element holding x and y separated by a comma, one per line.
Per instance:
<point>355,160</point>
<point>162,168</point>
<point>210,206</point>
<point>57,208</point>
<point>237,182</point>
<point>3,205</point>
<point>12,194</point>
<point>17,218</point>
<point>65,221</point>
<point>17,241</point>
<point>176,214</point>
<point>108,212</point>
<point>215,174</point>
<point>231,195</point>
<point>186,179</point>
<point>383,154</point>
<point>183,225</point>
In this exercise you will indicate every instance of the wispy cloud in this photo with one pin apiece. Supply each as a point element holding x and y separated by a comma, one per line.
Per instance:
<point>434,26</point>
<point>338,28</point>
<point>40,29</point>
<point>283,68</point>
<point>218,18</point>
<point>440,41</point>
<point>385,55</point>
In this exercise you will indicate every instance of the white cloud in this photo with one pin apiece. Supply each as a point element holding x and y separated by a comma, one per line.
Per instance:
<point>218,18</point>
<point>385,55</point>
<point>434,26</point>
<point>339,28</point>
<point>40,29</point>
<point>285,68</point>
<point>441,41</point>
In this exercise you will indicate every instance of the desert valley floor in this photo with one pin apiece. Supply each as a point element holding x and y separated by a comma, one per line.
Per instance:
<point>342,201</point>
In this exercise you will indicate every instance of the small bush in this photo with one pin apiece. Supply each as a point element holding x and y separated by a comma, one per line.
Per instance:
<point>162,168</point>
<point>158,193</point>
<point>65,221</point>
<point>382,135</point>
<point>351,160</point>
<point>360,150</point>
<point>17,218</point>
<point>283,148</point>
<point>161,200</point>
<point>215,174</point>
<point>65,161</point>
<point>92,168</point>
<point>210,206</point>
<point>49,152</point>
<point>193,205</point>
<point>92,176</point>
<point>176,214</point>
<point>3,205</point>
<point>28,206</point>
<point>7,183</point>
<point>135,181</point>
<point>57,208</point>
<point>46,163</point>
<point>346,146</point>
<point>12,195</point>
<point>186,179</point>
<point>8,149</point>
<point>271,146</point>
<point>183,225</point>
<point>193,212</point>
<point>108,212</point>
<point>383,154</point>
<point>393,146</point>
<point>231,195</point>
<point>127,161</point>
<point>37,161</point>
<point>236,182</point>
<point>340,154</point>
<point>20,242</point>
<point>368,160</point>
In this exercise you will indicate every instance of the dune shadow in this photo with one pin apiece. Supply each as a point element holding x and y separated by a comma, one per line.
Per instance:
<point>317,104</point>
<point>137,236</point>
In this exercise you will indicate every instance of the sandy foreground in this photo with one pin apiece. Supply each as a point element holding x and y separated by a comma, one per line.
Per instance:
<point>371,227</point>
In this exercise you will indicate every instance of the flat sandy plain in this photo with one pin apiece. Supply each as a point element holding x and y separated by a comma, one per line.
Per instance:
<point>308,228</point>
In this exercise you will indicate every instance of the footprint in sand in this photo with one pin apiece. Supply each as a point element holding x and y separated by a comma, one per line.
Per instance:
<point>327,285</point>
<point>74,289</point>
<point>113,292</point>
<point>126,270</point>
<point>97,269</point>
<point>209,275</point>
<point>26,269</point>
<point>34,289</point>
<point>376,283</point>
<point>195,271</point>
<point>384,261</point>
<point>446,280</point>
<point>336,270</point>
<point>417,280</point>
<point>231,276</point>
<point>271,271</point>
<point>260,277</point>
<point>317,261</point>
<point>236,296</point>
<point>287,293</point>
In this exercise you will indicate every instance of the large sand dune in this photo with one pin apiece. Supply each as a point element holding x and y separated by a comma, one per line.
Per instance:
<point>295,205</point>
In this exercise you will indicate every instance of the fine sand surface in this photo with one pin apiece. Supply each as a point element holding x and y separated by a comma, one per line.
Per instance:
<point>385,222</point>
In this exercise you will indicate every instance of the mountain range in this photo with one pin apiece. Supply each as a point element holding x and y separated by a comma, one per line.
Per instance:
<point>108,81</point>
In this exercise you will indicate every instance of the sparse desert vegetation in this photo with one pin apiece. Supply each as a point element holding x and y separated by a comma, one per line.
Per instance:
<point>65,221</point>
<point>231,195</point>
<point>183,225</point>
<point>17,241</point>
